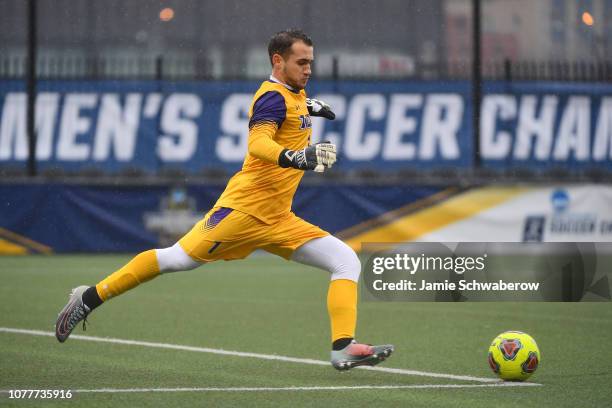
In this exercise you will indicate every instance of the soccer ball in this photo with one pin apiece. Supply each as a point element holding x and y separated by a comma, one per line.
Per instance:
<point>514,356</point>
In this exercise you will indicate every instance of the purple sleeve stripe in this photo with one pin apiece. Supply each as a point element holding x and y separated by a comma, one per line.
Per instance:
<point>270,107</point>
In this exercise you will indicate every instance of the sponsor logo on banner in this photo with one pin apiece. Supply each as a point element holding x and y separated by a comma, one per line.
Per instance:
<point>176,215</point>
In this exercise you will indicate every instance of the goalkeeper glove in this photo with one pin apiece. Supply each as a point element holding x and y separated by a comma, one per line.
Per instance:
<point>315,157</point>
<point>319,108</point>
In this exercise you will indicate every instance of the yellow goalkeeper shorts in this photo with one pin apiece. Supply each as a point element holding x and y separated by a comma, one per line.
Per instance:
<point>228,234</point>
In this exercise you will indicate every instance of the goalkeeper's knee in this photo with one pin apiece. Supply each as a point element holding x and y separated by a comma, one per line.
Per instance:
<point>174,259</point>
<point>346,266</point>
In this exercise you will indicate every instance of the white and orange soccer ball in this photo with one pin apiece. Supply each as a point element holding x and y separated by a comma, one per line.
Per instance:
<point>514,356</point>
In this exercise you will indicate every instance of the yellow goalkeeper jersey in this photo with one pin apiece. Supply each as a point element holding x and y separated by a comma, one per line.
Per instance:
<point>262,188</point>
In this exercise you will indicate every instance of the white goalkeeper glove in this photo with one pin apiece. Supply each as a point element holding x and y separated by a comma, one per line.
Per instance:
<point>317,107</point>
<point>316,157</point>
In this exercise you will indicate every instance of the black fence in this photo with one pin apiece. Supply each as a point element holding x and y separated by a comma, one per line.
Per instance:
<point>549,70</point>
<point>200,68</point>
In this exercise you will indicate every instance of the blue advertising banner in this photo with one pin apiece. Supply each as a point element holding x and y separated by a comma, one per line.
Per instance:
<point>45,218</point>
<point>195,126</point>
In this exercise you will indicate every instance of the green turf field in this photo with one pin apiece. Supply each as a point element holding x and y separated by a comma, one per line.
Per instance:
<point>269,306</point>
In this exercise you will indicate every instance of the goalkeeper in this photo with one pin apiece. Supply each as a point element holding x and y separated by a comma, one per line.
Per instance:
<point>254,211</point>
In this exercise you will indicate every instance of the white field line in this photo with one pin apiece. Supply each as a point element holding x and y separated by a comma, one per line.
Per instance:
<point>254,355</point>
<point>312,388</point>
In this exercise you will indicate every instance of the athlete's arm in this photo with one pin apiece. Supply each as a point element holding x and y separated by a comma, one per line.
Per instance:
<point>261,144</point>
<point>264,148</point>
<point>269,113</point>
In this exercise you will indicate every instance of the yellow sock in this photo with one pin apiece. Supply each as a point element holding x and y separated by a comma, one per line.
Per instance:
<point>141,268</point>
<point>342,308</point>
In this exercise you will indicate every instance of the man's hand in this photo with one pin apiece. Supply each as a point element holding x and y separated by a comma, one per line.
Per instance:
<point>319,108</point>
<point>316,157</point>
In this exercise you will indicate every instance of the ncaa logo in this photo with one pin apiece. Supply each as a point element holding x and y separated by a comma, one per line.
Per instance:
<point>560,200</point>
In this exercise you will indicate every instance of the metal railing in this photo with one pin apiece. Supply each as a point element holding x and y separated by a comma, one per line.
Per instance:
<point>201,68</point>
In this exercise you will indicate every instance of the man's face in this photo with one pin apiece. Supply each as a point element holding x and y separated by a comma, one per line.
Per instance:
<point>296,68</point>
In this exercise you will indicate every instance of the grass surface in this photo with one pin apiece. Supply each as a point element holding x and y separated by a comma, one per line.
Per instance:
<point>267,305</point>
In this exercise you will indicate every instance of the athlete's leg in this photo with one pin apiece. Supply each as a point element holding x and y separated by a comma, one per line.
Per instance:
<point>201,244</point>
<point>221,234</point>
<point>296,239</point>
<point>175,259</point>
<point>144,267</point>
<point>333,255</point>
<point>340,260</point>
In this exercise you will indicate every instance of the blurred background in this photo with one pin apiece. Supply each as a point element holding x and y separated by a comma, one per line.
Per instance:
<point>120,111</point>
<point>216,39</point>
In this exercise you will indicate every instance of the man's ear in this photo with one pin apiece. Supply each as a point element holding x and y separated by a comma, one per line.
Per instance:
<point>276,59</point>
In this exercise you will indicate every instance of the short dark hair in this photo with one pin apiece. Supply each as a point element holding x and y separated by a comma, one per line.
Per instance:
<point>281,42</point>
